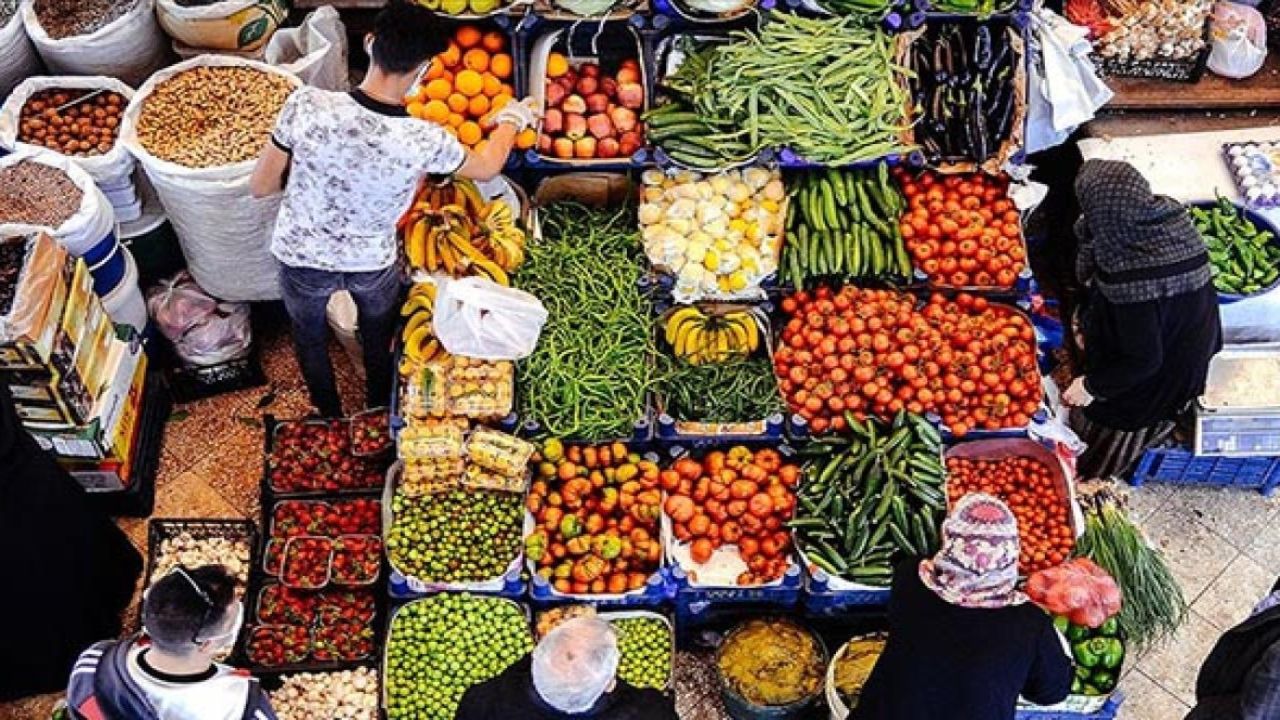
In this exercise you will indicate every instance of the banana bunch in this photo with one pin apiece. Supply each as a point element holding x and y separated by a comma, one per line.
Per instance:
<point>699,338</point>
<point>418,337</point>
<point>452,228</point>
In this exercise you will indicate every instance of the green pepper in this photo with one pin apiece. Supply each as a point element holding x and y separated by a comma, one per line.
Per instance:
<point>1061,623</point>
<point>1110,627</point>
<point>1083,673</point>
<point>1103,680</point>
<point>1088,689</point>
<point>1084,656</point>
<point>1113,654</point>
<point>1077,633</point>
<point>1077,686</point>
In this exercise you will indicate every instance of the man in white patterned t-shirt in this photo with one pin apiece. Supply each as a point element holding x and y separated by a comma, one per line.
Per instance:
<point>349,165</point>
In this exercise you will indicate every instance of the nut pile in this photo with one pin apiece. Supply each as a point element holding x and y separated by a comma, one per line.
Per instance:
<point>68,18</point>
<point>37,194</point>
<point>209,116</point>
<point>89,127</point>
<point>1157,29</point>
<point>192,552</point>
<point>346,695</point>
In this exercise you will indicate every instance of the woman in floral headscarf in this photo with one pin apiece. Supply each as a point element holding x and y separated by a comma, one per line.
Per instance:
<point>964,643</point>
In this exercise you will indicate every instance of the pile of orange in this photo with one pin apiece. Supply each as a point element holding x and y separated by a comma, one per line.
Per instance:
<point>466,84</point>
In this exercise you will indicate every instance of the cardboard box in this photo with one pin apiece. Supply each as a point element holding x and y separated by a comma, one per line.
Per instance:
<point>28,332</point>
<point>107,434</point>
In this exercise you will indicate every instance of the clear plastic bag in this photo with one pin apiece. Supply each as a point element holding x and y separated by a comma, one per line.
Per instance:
<point>203,331</point>
<point>1239,41</point>
<point>479,318</point>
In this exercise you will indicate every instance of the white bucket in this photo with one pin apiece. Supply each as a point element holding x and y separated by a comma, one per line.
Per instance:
<point>125,305</point>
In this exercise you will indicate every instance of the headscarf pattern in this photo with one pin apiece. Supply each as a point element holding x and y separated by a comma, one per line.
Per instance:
<point>977,566</point>
<point>1135,246</point>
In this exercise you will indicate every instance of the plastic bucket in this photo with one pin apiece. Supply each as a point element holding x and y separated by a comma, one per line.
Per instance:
<point>110,268</point>
<point>125,304</point>
<point>740,708</point>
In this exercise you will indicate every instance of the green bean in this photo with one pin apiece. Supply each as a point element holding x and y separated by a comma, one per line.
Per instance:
<point>740,390</point>
<point>588,378</point>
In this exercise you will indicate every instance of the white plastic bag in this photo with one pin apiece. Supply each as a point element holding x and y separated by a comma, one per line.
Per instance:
<point>224,231</point>
<point>239,25</point>
<point>110,170</point>
<point>92,221</point>
<point>18,58</point>
<point>1239,36</point>
<point>131,47</point>
<point>479,318</point>
<point>1063,87</point>
<point>315,51</point>
<point>203,331</point>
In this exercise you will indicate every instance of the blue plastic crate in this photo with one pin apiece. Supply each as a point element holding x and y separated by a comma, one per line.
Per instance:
<point>821,600</point>
<point>1108,711</point>
<point>1178,466</point>
<point>398,588</point>
<point>695,606</point>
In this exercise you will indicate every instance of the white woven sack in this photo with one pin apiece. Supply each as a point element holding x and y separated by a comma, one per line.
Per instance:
<point>92,222</point>
<point>239,25</point>
<point>18,58</point>
<point>131,47</point>
<point>224,231</point>
<point>315,51</point>
<point>110,170</point>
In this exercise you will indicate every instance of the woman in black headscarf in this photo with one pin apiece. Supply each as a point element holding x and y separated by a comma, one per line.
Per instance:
<point>1150,322</point>
<point>70,570</point>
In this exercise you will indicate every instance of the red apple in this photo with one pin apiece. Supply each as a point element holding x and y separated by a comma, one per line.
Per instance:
<point>553,121</point>
<point>544,144</point>
<point>609,87</point>
<point>590,70</point>
<point>555,94</point>
<point>629,143</point>
<point>574,104</point>
<point>564,82</point>
<point>587,85</point>
<point>607,148</point>
<point>562,148</point>
<point>584,147</point>
<point>575,126</point>
<point>629,95</point>
<point>600,126</point>
<point>623,118</point>
<point>627,75</point>
<point>597,102</point>
<point>572,76</point>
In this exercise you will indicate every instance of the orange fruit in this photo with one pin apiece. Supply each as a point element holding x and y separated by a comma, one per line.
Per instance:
<point>435,69</point>
<point>438,89</point>
<point>415,108</point>
<point>557,65</point>
<point>468,36</point>
<point>476,59</point>
<point>469,83</point>
<point>500,65</point>
<point>494,41</point>
<point>451,56</point>
<point>492,85</point>
<point>508,90</point>
<point>436,111</point>
<point>469,133</point>
<point>458,102</point>
<point>455,120</point>
<point>447,75</point>
<point>499,100</point>
<point>478,106</point>
<point>526,138</point>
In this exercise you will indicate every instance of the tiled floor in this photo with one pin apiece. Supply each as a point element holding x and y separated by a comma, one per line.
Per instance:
<point>1224,546</point>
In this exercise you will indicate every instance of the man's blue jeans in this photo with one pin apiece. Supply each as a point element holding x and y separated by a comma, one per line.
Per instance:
<point>306,293</point>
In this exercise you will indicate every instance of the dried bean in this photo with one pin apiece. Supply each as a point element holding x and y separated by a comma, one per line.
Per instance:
<point>209,116</point>
<point>89,127</point>
<point>68,18</point>
<point>37,194</point>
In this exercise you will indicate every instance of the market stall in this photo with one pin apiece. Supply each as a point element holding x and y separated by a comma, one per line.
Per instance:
<point>750,311</point>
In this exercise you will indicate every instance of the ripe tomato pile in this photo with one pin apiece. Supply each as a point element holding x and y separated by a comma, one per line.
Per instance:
<point>1028,487</point>
<point>737,498</point>
<point>962,230</point>
<point>876,352</point>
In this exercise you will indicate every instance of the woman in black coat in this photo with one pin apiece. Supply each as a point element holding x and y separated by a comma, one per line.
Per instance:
<point>964,643</point>
<point>1150,321</point>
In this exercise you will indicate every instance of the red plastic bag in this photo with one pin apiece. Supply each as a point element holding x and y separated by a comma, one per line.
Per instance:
<point>1079,589</point>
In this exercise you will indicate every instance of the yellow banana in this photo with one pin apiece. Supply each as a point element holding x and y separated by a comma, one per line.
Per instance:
<point>416,303</point>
